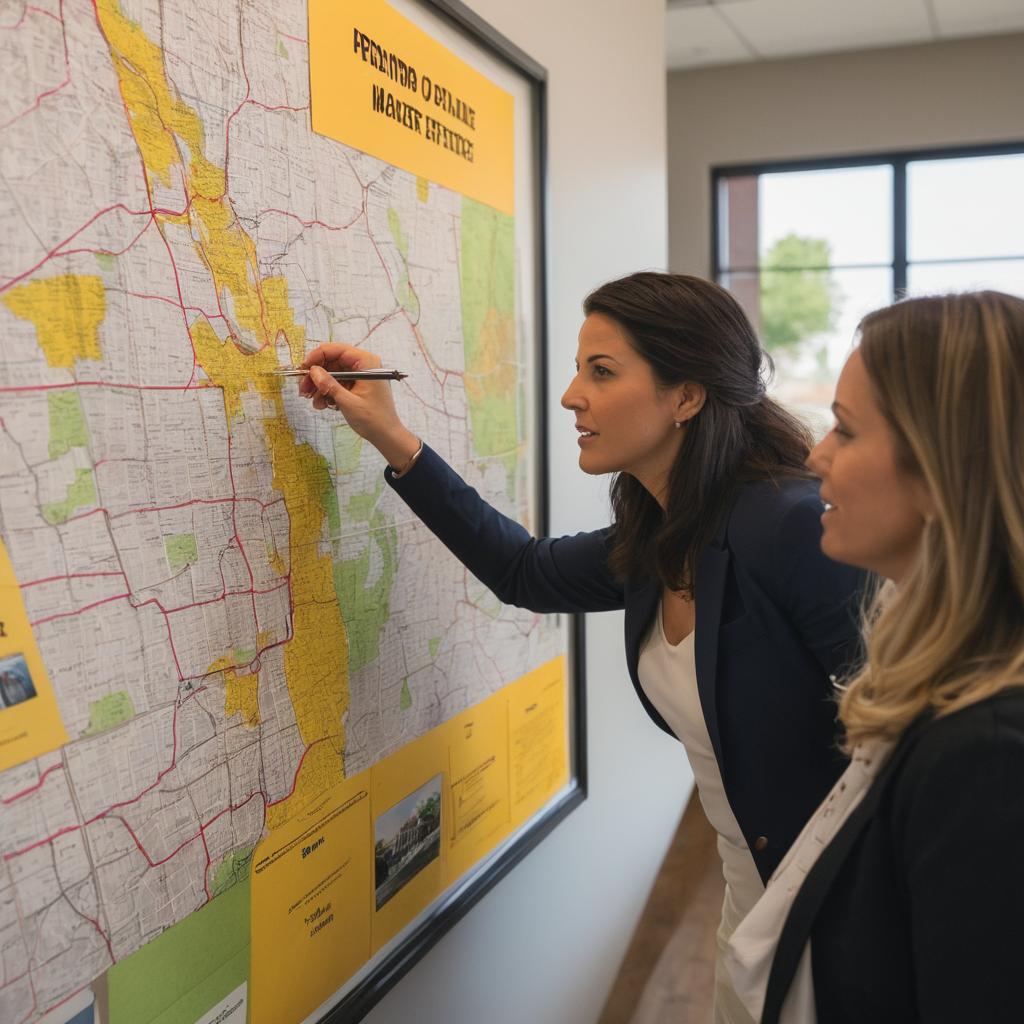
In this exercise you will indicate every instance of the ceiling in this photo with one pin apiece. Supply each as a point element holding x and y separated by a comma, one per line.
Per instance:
<point>702,32</point>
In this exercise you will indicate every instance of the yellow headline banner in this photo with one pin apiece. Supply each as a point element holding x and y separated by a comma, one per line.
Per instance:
<point>382,85</point>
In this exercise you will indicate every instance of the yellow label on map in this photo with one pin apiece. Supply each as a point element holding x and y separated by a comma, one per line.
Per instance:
<point>478,806</point>
<point>538,746</point>
<point>380,84</point>
<point>312,885</point>
<point>333,886</point>
<point>30,722</point>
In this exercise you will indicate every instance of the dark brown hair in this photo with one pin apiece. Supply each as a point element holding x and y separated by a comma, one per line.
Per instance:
<point>689,329</point>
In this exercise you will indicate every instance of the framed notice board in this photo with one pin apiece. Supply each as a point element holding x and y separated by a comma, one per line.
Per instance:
<point>262,739</point>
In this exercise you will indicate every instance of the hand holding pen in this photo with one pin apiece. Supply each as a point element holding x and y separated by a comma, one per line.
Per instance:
<point>363,398</point>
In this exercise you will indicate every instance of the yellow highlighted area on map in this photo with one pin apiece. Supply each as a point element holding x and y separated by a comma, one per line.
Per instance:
<point>30,722</point>
<point>169,134</point>
<point>67,311</point>
<point>312,892</point>
<point>381,84</point>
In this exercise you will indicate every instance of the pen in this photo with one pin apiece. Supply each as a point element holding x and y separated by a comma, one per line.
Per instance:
<point>377,374</point>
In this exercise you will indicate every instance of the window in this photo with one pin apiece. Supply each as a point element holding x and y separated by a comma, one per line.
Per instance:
<point>809,248</point>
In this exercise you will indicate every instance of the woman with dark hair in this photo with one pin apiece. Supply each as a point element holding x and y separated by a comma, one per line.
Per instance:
<point>735,622</point>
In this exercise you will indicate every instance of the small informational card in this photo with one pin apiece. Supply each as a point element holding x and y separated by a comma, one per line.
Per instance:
<point>230,1010</point>
<point>479,816</point>
<point>312,886</point>
<point>30,722</point>
<point>537,739</point>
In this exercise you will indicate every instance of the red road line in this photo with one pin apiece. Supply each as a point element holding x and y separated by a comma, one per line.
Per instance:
<point>194,501</point>
<point>79,611</point>
<point>56,89</point>
<point>69,576</point>
<point>8,800</point>
<point>251,592</point>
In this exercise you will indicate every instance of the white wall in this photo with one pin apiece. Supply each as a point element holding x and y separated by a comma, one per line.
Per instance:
<point>543,947</point>
<point>967,91</point>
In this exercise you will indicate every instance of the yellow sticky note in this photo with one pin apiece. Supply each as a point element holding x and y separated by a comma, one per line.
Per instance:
<point>312,885</point>
<point>409,816</point>
<point>30,722</point>
<point>382,85</point>
<point>538,739</point>
<point>478,784</point>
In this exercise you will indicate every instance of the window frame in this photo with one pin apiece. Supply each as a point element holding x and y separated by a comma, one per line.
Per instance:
<point>897,160</point>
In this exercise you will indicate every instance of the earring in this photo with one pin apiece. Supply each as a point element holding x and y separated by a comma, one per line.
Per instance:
<point>679,423</point>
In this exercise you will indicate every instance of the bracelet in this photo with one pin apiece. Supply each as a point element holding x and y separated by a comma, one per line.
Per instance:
<point>398,473</point>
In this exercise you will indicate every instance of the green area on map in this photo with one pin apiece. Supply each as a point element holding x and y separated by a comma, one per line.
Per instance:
<point>181,550</point>
<point>114,709</point>
<point>67,422</point>
<point>187,969</point>
<point>365,605</point>
<point>487,278</point>
<point>232,869</point>
<point>80,494</point>
<point>406,296</point>
<point>347,446</point>
<point>329,497</point>
<point>360,506</point>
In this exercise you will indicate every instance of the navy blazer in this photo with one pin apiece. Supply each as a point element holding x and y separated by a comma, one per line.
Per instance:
<point>776,623</point>
<point>914,909</point>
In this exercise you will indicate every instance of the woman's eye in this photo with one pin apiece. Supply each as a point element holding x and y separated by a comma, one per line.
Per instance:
<point>839,431</point>
<point>601,371</point>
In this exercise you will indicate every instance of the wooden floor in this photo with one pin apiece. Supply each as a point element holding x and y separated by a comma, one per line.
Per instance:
<point>668,972</point>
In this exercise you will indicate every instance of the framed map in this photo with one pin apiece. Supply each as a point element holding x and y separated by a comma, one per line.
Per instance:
<point>262,738</point>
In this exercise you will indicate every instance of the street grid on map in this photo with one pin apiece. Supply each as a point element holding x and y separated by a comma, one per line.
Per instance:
<point>232,607</point>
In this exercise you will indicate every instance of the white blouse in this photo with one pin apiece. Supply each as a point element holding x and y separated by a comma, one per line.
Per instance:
<point>751,950</point>
<point>668,675</point>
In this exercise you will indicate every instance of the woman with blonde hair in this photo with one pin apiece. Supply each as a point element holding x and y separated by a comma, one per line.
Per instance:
<point>902,899</point>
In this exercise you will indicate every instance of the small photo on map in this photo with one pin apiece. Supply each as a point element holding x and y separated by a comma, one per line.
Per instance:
<point>408,838</point>
<point>15,682</point>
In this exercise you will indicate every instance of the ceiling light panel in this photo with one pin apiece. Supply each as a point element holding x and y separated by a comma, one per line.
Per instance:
<point>696,36</point>
<point>785,28</point>
<point>978,17</point>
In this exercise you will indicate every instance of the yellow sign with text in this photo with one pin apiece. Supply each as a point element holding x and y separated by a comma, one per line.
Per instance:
<point>30,722</point>
<point>380,84</point>
<point>338,883</point>
<point>311,893</point>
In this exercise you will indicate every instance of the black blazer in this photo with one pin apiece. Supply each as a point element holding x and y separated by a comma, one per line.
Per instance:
<point>915,910</point>
<point>776,621</point>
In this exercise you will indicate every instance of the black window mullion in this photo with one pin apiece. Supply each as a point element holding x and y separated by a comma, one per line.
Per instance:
<point>899,228</point>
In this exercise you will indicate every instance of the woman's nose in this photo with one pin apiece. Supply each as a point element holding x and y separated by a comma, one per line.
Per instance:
<point>816,461</point>
<point>570,397</point>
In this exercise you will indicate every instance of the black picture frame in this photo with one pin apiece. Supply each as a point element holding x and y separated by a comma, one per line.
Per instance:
<point>448,911</point>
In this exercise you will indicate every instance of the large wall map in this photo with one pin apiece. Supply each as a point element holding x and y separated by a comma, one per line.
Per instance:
<point>229,608</point>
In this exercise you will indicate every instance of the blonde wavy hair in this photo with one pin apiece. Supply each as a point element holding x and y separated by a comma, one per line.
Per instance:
<point>948,374</point>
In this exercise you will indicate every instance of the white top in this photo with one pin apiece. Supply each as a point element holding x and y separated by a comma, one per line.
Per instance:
<point>668,675</point>
<point>751,950</point>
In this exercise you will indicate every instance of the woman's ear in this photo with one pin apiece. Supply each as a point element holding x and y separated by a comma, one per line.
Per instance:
<point>690,397</point>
